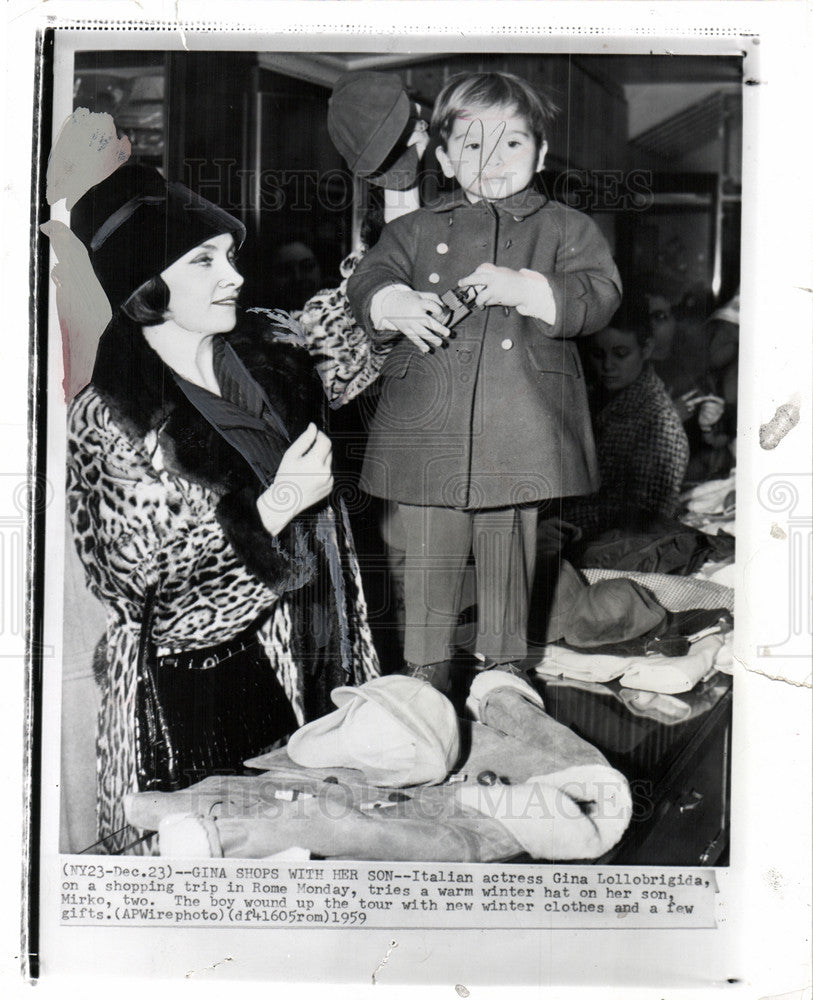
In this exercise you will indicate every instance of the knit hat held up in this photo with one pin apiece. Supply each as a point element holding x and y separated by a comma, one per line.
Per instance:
<point>368,113</point>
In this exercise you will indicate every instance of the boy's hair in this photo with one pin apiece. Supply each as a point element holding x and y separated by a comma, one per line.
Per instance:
<point>642,334</point>
<point>632,316</point>
<point>502,90</point>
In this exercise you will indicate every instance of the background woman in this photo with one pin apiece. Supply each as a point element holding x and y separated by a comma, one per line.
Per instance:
<point>198,490</point>
<point>681,356</point>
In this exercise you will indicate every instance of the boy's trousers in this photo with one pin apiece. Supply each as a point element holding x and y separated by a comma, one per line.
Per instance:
<point>438,542</point>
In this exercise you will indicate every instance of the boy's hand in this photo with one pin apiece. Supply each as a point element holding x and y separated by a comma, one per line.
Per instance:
<point>526,291</point>
<point>415,314</point>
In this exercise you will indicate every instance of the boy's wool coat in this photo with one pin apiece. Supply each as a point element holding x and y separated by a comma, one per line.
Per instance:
<point>498,416</point>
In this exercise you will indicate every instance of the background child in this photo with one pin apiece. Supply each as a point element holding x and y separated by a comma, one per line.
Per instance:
<point>642,447</point>
<point>472,431</point>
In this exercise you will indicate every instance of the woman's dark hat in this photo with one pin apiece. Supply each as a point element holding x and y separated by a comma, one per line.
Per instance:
<point>369,118</point>
<point>135,224</point>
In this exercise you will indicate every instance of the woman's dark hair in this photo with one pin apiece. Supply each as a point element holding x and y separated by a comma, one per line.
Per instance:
<point>149,303</point>
<point>642,334</point>
<point>129,371</point>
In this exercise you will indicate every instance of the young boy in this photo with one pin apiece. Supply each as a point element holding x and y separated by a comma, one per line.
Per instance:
<point>475,426</point>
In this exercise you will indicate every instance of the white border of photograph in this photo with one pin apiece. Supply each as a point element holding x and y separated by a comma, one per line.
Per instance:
<point>758,947</point>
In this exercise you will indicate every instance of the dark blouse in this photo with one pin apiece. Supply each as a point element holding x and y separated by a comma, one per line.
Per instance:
<point>243,414</point>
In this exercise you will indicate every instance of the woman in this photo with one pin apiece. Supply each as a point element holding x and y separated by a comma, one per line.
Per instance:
<point>198,489</point>
<point>641,446</point>
<point>378,130</point>
<point>382,137</point>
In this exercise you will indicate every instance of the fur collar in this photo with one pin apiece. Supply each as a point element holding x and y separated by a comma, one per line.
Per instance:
<point>144,396</point>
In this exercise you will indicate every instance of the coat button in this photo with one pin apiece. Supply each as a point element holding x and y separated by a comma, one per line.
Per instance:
<point>507,244</point>
<point>442,248</point>
<point>434,277</point>
<point>517,218</point>
<point>507,344</point>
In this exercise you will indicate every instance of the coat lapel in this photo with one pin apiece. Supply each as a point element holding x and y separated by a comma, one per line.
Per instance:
<point>145,397</point>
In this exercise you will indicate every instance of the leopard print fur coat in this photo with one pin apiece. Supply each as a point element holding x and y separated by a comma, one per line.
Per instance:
<point>158,499</point>
<point>346,358</point>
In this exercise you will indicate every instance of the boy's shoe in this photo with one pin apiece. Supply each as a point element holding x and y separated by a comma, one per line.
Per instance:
<point>511,667</point>
<point>436,674</point>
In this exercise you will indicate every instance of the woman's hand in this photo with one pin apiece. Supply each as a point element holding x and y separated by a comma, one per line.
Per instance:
<point>710,412</point>
<point>397,202</point>
<point>419,138</point>
<point>686,404</point>
<point>304,477</point>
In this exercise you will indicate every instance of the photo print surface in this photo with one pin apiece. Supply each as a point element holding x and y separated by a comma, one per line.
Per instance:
<point>397,420</point>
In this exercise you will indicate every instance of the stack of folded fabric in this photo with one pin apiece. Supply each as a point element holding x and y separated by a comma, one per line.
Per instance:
<point>615,628</point>
<point>710,507</point>
<point>658,545</point>
<point>665,709</point>
<point>653,672</point>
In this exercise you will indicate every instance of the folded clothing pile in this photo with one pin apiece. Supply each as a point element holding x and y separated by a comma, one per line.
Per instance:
<point>675,593</point>
<point>616,628</point>
<point>665,709</point>
<point>659,545</point>
<point>652,672</point>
